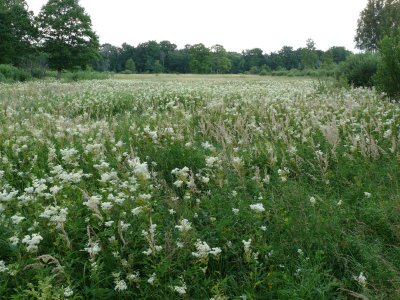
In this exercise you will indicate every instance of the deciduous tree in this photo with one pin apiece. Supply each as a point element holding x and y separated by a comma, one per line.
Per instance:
<point>67,35</point>
<point>379,18</point>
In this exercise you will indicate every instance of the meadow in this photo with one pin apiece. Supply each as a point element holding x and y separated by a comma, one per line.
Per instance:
<point>198,187</point>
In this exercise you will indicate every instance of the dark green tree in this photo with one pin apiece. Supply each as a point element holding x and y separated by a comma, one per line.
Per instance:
<point>220,61</point>
<point>67,35</point>
<point>309,57</point>
<point>253,58</point>
<point>166,49</point>
<point>289,58</point>
<point>17,31</point>
<point>327,60</point>
<point>379,18</point>
<point>388,74</point>
<point>339,54</point>
<point>200,59</point>
<point>130,65</point>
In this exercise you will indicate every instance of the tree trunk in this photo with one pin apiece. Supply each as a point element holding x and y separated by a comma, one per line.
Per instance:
<point>58,74</point>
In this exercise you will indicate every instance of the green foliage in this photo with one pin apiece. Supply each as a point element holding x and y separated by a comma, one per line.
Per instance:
<point>130,65</point>
<point>220,60</point>
<point>200,59</point>
<point>10,73</point>
<point>157,67</point>
<point>309,57</point>
<point>66,34</point>
<point>379,18</point>
<point>85,75</point>
<point>388,75</point>
<point>17,31</point>
<point>359,69</point>
<point>106,171</point>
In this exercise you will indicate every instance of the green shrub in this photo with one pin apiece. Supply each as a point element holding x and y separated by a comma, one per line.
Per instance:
<point>359,69</point>
<point>85,75</point>
<point>11,74</point>
<point>388,75</point>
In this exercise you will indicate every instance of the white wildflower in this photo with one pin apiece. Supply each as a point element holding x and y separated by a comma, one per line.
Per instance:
<point>361,279</point>
<point>184,226</point>
<point>68,292</point>
<point>258,207</point>
<point>137,210</point>
<point>16,219</point>
<point>120,285</point>
<point>152,278</point>
<point>32,242</point>
<point>3,267</point>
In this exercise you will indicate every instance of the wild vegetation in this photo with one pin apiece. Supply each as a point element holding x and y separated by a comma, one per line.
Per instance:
<point>171,187</point>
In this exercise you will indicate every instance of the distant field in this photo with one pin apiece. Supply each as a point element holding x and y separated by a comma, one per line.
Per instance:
<point>198,187</point>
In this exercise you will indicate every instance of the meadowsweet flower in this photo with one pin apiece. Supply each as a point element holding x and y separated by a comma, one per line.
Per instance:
<point>14,240</point>
<point>32,242</point>
<point>133,277</point>
<point>211,161</point>
<point>235,211</point>
<point>184,226</point>
<point>181,290</point>
<point>152,278</point>
<point>68,292</point>
<point>120,285</point>
<point>137,210</point>
<point>258,207</point>
<point>16,219</point>
<point>178,183</point>
<point>203,250</point>
<point>247,250</point>
<point>313,201</point>
<point>55,214</point>
<point>106,205</point>
<point>109,223</point>
<point>93,249</point>
<point>361,279</point>
<point>367,195</point>
<point>3,267</point>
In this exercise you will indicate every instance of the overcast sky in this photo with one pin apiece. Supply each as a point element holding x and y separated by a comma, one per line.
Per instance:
<point>236,24</point>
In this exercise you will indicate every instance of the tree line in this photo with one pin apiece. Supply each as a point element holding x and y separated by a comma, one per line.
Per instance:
<point>61,37</point>
<point>165,57</point>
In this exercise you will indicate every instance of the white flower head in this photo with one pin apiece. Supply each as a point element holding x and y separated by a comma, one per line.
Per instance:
<point>120,285</point>
<point>184,226</point>
<point>68,292</point>
<point>361,279</point>
<point>3,267</point>
<point>258,207</point>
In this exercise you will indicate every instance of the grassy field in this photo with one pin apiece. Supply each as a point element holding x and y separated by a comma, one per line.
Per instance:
<point>198,187</point>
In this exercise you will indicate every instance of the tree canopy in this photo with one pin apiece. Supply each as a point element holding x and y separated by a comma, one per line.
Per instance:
<point>66,34</point>
<point>378,19</point>
<point>17,31</point>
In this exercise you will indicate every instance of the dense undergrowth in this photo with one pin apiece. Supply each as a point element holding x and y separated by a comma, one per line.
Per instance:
<point>198,189</point>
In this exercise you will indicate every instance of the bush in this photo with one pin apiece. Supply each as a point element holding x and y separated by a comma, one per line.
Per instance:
<point>10,73</point>
<point>85,75</point>
<point>359,69</point>
<point>388,75</point>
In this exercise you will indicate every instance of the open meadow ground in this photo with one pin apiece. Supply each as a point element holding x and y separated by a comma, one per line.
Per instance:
<point>198,187</point>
